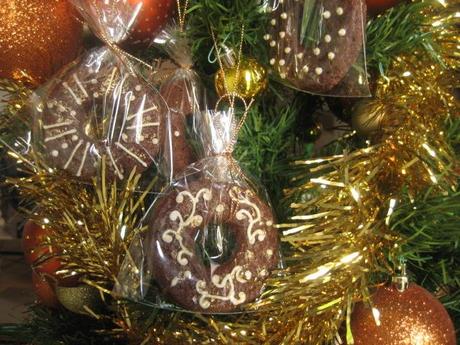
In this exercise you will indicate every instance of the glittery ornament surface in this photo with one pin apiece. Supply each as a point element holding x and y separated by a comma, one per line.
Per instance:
<point>37,37</point>
<point>152,16</point>
<point>413,317</point>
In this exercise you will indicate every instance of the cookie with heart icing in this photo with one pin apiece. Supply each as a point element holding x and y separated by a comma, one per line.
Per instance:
<point>317,63</point>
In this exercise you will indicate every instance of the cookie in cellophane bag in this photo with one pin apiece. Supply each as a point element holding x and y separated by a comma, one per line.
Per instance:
<point>318,46</point>
<point>100,106</point>
<point>210,242</point>
<point>182,91</point>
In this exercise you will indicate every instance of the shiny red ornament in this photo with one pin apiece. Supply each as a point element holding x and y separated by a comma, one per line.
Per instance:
<point>34,242</point>
<point>378,6</point>
<point>412,317</point>
<point>44,291</point>
<point>152,17</point>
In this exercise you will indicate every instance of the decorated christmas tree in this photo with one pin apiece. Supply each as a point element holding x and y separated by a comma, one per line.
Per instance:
<point>235,171</point>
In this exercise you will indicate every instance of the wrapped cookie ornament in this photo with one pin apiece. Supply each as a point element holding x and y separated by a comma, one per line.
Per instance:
<point>317,46</point>
<point>99,106</point>
<point>211,241</point>
<point>182,91</point>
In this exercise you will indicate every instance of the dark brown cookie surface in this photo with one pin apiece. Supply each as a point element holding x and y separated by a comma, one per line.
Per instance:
<point>94,109</point>
<point>178,223</point>
<point>319,64</point>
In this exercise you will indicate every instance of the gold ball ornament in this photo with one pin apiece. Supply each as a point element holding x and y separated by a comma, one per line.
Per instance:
<point>82,299</point>
<point>247,81</point>
<point>367,117</point>
<point>411,317</point>
<point>37,37</point>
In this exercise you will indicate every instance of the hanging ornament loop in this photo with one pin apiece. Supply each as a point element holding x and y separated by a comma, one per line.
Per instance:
<point>401,281</point>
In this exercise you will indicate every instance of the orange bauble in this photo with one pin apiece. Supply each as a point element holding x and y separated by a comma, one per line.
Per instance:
<point>44,291</point>
<point>378,6</point>
<point>151,18</point>
<point>37,37</point>
<point>405,318</point>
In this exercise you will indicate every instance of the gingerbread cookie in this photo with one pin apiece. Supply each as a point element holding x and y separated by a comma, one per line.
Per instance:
<point>316,64</point>
<point>179,221</point>
<point>96,108</point>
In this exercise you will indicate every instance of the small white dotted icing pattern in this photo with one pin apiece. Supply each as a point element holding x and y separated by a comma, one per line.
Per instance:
<point>316,61</point>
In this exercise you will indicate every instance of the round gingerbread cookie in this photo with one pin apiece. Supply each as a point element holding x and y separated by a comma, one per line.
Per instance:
<point>181,219</point>
<point>317,63</point>
<point>96,108</point>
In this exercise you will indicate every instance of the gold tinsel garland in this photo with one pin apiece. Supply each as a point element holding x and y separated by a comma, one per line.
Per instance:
<point>339,233</point>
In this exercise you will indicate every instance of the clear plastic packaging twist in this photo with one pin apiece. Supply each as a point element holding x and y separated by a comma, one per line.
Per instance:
<point>99,106</point>
<point>318,46</point>
<point>182,91</point>
<point>210,241</point>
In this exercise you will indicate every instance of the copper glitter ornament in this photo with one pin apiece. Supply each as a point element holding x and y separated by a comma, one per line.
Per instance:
<point>37,37</point>
<point>412,317</point>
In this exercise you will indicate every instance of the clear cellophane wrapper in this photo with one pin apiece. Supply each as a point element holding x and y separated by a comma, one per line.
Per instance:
<point>99,106</point>
<point>182,90</point>
<point>210,241</point>
<point>318,46</point>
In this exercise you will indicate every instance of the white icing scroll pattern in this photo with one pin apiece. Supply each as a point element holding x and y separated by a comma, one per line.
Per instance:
<point>254,218</point>
<point>192,219</point>
<point>227,283</point>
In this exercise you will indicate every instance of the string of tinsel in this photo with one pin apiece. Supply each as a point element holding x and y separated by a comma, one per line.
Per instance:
<point>337,237</point>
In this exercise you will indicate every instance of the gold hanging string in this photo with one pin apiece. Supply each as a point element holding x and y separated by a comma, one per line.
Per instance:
<point>182,13</point>
<point>231,96</point>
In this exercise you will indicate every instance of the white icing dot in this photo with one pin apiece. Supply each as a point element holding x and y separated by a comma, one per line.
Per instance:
<point>220,208</point>
<point>287,50</point>
<point>64,146</point>
<point>327,14</point>
<point>96,95</point>
<point>305,69</point>
<point>54,153</point>
<point>339,11</point>
<point>132,98</point>
<point>138,88</point>
<point>316,51</point>
<point>263,273</point>
<point>284,15</point>
<point>155,141</point>
<point>282,34</point>
<point>342,32</point>
<point>50,105</point>
<point>327,38</point>
<point>73,113</point>
<point>270,223</point>
<point>273,22</point>
<point>330,56</point>
<point>272,61</point>
<point>269,252</point>
<point>267,37</point>
<point>318,70</point>
<point>299,55</point>
<point>283,75</point>
<point>272,43</point>
<point>74,137</point>
<point>247,275</point>
<point>176,133</point>
<point>141,138</point>
<point>249,255</point>
<point>93,81</point>
<point>282,62</point>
